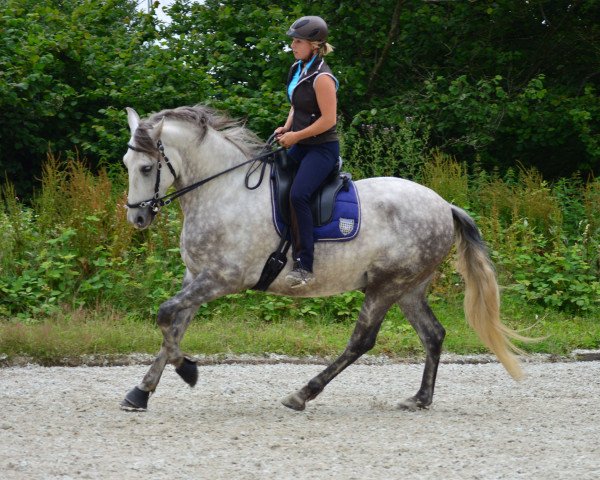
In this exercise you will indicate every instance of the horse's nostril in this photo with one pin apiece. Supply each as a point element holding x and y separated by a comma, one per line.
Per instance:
<point>139,220</point>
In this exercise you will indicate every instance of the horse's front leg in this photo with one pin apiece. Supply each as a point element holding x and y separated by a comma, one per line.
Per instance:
<point>170,353</point>
<point>174,316</point>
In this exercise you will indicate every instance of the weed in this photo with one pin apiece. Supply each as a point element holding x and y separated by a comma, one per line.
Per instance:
<point>448,178</point>
<point>73,248</point>
<point>376,151</point>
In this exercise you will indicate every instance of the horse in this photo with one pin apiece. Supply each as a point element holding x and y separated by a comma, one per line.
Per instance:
<point>407,230</point>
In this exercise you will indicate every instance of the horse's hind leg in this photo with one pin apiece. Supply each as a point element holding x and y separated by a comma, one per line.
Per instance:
<point>431,333</point>
<point>362,340</point>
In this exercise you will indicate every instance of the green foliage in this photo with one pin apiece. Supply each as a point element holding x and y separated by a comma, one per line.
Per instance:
<point>463,74</point>
<point>543,240</point>
<point>239,48</point>
<point>39,285</point>
<point>448,178</point>
<point>73,248</point>
<point>412,78</point>
<point>560,278</point>
<point>340,308</point>
<point>482,120</point>
<point>371,150</point>
<point>561,273</point>
<point>519,198</point>
<point>68,70</point>
<point>488,94</point>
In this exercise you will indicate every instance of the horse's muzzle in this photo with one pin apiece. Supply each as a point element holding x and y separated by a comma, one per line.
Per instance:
<point>140,218</point>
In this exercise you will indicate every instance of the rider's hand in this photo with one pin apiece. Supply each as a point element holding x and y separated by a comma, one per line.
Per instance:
<point>287,139</point>
<point>280,131</point>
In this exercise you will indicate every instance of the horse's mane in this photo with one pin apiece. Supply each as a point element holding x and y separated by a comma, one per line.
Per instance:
<point>201,117</point>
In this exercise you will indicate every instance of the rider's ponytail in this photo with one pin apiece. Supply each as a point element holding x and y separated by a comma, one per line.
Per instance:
<point>324,48</point>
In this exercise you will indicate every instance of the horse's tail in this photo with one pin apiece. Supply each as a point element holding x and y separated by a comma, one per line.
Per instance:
<point>482,298</point>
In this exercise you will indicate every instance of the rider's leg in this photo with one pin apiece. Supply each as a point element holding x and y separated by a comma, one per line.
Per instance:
<point>316,165</point>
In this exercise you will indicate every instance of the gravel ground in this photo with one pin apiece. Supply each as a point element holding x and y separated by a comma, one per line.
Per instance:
<point>65,422</point>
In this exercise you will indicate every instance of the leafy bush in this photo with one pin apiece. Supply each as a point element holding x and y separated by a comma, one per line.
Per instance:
<point>340,308</point>
<point>561,277</point>
<point>372,150</point>
<point>544,239</point>
<point>73,246</point>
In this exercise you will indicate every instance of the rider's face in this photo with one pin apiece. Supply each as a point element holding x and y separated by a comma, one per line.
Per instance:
<point>302,49</point>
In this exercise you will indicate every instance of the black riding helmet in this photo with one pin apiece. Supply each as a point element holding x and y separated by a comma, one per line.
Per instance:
<point>309,28</point>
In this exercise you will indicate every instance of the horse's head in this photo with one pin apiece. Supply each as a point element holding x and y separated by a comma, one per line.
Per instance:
<point>148,179</point>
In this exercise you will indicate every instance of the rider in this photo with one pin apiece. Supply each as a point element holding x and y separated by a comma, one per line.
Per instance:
<point>310,131</point>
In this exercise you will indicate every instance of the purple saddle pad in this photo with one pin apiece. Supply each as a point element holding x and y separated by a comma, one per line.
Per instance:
<point>345,220</point>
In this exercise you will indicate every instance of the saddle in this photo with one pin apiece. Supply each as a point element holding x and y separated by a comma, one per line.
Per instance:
<point>323,201</point>
<point>335,210</point>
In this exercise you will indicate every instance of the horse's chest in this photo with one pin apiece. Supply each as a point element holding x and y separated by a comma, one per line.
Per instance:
<point>197,244</point>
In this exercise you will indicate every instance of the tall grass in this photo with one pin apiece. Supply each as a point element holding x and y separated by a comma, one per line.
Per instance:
<point>374,151</point>
<point>448,178</point>
<point>72,247</point>
<point>72,197</point>
<point>545,239</point>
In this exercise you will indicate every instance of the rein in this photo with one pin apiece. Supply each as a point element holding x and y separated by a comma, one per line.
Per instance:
<point>156,203</point>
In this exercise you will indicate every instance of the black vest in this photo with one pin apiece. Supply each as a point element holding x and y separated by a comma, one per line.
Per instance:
<point>304,101</point>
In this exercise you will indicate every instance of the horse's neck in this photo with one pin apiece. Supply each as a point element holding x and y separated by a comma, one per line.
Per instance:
<point>215,154</point>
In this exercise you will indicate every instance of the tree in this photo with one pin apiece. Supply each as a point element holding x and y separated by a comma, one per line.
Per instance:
<point>499,81</point>
<point>240,46</point>
<point>494,82</point>
<point>69,67</point>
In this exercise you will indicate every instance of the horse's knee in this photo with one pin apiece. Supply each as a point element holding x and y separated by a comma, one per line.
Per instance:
<point>369,343</point>
<point>437,332</point>
<point>165,315</point>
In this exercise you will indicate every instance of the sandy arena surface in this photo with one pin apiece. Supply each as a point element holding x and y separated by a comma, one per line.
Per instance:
<point>65,422</point>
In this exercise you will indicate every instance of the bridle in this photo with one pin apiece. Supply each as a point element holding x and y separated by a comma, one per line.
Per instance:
<point>157,202</point>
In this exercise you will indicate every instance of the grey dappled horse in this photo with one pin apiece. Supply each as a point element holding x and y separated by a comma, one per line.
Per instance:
<point>407,231</point>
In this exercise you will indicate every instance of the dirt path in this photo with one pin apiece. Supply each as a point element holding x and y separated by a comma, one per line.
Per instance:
<point>62,423</point>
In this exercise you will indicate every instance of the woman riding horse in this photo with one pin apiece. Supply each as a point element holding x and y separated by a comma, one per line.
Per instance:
<point>310,131</point>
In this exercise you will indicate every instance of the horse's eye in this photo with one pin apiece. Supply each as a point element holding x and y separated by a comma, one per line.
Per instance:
<point>146,169</point>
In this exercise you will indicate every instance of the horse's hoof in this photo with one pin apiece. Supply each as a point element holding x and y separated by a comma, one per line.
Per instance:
<point>294,401</point>
<point>136,400</point>
<point>188,371</point>
<point>411,405</point>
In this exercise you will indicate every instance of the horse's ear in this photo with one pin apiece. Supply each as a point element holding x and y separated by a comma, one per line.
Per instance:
<point>133,119</point>
<point>157,130</point>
